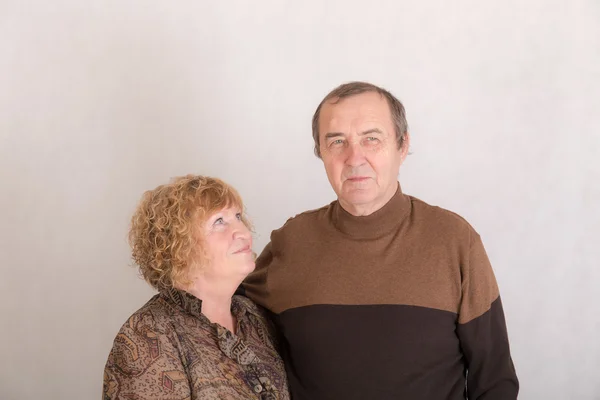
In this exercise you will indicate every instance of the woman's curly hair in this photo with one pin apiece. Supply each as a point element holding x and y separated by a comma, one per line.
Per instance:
<point>165,236</point>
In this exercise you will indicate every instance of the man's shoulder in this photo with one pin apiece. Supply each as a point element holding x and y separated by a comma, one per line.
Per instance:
<point>438,217</point>
<point>306,219</point>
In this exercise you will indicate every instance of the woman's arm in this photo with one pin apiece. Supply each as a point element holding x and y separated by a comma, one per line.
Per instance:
<point>145,362</point>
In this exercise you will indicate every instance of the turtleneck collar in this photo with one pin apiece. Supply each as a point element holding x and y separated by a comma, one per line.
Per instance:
<point>373,225</point>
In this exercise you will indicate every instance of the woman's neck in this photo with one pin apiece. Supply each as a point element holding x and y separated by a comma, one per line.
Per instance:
<point>219,311</point>
<point>216,303</point>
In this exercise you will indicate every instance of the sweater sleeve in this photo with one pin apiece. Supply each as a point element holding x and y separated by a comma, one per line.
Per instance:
<point>482,330</point>
<point>144,363</point>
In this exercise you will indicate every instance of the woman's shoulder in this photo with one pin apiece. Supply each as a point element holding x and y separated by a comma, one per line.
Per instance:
<point>152,318</point>
<point>251,307</point>
<point>146,351</point>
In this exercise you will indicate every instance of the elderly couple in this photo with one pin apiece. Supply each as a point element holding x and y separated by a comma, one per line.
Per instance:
<point>377,295</point>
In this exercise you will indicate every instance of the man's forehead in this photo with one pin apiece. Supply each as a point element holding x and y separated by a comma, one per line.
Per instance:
<point>357,99</point>
<point>361,109</point>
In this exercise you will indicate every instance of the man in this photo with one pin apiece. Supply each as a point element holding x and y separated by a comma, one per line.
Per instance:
<point>379,295</point>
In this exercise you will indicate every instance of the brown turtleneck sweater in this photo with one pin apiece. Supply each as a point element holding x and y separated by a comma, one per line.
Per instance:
<point>397,304</point>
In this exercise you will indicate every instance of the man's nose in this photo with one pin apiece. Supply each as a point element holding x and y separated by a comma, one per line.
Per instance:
<point>356,154</point>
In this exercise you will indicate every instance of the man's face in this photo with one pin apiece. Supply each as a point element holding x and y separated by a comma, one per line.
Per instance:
<point>360,151</point>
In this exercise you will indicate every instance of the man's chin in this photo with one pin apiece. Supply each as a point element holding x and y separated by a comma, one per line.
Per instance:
<point>359,195</point>
<point>358,198</point>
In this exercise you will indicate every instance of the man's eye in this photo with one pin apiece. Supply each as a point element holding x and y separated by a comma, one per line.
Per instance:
<point>372,139</point>
<point>336,142</point>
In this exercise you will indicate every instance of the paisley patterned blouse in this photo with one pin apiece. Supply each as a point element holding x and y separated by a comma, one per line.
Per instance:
<point>169,350</point>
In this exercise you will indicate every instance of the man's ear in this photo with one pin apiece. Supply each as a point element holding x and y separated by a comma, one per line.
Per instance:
<point>405,147</point>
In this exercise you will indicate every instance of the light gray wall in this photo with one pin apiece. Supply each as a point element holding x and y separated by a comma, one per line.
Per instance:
<point>101,100</point>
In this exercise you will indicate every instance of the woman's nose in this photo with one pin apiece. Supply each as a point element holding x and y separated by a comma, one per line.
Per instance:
<point>241,230</point>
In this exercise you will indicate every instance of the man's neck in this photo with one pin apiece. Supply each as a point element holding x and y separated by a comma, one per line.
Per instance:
<point>362,210</point>
<point>359,210</point>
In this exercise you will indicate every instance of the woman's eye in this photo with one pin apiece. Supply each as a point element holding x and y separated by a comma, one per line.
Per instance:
<point>219,221</point>
<point>238,216</point>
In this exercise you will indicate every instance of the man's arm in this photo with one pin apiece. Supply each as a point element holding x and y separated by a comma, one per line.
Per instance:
<point>255,285</point>
<point>144,363</point>
<point>482,331</point>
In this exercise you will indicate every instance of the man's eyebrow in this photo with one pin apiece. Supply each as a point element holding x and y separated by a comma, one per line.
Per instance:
<point>330,135</point>
<point>369,131</point>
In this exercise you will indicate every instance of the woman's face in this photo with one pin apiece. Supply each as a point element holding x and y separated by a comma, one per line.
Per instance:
<point>228,244</point>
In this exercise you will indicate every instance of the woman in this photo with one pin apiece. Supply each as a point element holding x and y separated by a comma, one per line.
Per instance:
<point>195,339</point>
